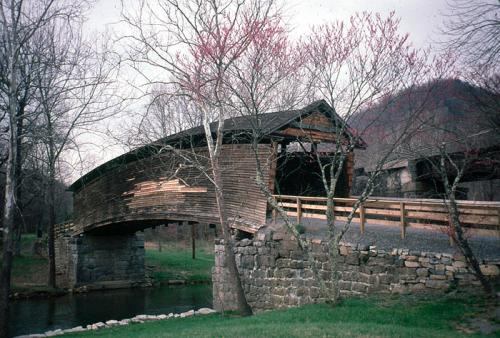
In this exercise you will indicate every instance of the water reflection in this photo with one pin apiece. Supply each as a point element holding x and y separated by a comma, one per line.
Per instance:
<point>40,315</point>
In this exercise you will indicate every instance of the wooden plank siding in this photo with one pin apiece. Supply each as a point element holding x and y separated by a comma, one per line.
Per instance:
<point>167,187</point>
<point>319,120</point>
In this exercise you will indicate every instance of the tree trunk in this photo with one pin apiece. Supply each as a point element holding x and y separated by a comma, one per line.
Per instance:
<point>52,220</point>
<point>10,204</point>
<point>8,242</point>
<point>242,304</point>
<point>19,178</point>
<point>465,248</point>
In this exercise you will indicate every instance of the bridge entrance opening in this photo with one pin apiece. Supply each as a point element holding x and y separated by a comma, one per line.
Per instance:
<point>298,173</point>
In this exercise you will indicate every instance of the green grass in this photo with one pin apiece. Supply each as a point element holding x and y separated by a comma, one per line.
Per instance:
<point>371,317</point>
<point>175,263</point>
<point>29,272</point>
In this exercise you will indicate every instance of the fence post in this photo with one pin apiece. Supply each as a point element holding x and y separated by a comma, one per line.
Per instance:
<point>299,210</point>
<point>275,215</point>
<point>362,219</point>
<point>193,240</point>
<point>402,219</point>
<point>498,219</point>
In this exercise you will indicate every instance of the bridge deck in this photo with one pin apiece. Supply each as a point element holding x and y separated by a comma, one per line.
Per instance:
<point>419,239</point>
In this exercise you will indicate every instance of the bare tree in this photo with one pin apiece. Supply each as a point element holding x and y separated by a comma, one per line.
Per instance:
<point>354,66</point>
<point>195,43</point>
<point>167,112</point>
<point>19,22</point>
<point>74,92</point>
<point>452,152</point>
<point>472,29</point>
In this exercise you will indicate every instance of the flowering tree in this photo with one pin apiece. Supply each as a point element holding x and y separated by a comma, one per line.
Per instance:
<point>353,66</point>
<point>195,44</point>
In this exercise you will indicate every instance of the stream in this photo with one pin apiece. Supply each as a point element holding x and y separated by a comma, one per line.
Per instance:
<point>28,316</point>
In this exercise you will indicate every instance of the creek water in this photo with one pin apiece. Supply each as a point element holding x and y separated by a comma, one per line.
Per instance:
<point>40,315</point>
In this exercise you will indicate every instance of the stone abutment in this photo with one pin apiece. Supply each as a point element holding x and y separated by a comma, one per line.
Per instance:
<point>276,273</point>
<point>100,261</point>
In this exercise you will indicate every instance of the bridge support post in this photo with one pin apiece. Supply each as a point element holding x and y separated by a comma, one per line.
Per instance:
<point>193,239</point>
<point>100,261</point>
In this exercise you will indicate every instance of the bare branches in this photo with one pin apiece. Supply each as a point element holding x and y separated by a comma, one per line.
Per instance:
<point>473,29</point>
<point>195,46</point>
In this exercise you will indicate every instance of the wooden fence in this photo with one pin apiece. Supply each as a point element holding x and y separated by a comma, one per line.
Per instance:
<point>61,229</point>
<point>477,217</point>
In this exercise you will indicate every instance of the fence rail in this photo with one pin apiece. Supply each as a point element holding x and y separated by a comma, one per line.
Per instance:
<point>61,229</point>
<point>477,217</point>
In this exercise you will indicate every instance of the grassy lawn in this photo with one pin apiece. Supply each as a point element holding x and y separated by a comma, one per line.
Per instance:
<point>174,262</point>
<point>29,272</point>
<point>371,317</point>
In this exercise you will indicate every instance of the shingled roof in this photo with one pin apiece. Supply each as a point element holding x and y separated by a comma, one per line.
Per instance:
<point>266,124</point>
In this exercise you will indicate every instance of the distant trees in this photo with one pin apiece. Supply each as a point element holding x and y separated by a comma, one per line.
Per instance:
<point>472,33</point>
<point>20,21</point>
<point>73,89</point>
<point>472,29</point>
<point>51,84</point>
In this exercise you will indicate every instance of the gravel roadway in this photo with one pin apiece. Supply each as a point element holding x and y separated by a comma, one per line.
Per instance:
<point>418,239</point>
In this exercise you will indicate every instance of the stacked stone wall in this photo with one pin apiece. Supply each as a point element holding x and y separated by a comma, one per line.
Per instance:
<point>66,259</point>
<point>276,273</point>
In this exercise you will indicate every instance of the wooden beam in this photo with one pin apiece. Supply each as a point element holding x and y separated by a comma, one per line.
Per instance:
<point>402,219</point>
<point>311,135</point>
<point>362,219</point>
<point>299,210</point>
<point>193,240</point>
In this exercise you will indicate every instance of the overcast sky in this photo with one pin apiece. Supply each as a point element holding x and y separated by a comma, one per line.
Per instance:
<point>420,18</point>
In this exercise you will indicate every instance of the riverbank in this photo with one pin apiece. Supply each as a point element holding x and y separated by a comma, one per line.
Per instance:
<point>172,265</point>
<point>392,316</point>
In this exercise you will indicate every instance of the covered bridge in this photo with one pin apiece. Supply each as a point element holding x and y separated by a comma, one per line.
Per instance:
<point>167,182</point>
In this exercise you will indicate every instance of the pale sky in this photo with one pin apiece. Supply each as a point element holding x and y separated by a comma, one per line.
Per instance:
<point>420,18</point>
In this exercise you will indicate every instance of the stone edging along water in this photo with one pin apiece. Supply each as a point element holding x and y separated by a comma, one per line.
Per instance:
<point>111,323</point>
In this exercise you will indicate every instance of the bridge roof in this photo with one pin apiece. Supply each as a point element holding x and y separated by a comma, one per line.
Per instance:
<point>233,127</point>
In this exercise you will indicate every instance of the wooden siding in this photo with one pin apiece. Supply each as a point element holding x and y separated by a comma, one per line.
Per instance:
<point>167,187</point>
<point>319,120</point>
<point>308,134</point>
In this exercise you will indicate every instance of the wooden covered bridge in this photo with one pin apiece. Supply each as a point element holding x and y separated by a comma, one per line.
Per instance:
<point>166,182</point>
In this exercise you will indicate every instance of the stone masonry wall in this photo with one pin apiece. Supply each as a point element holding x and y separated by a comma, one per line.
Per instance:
<point>275,272</point>
<point>91,259</point>
<point>66,255</point>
